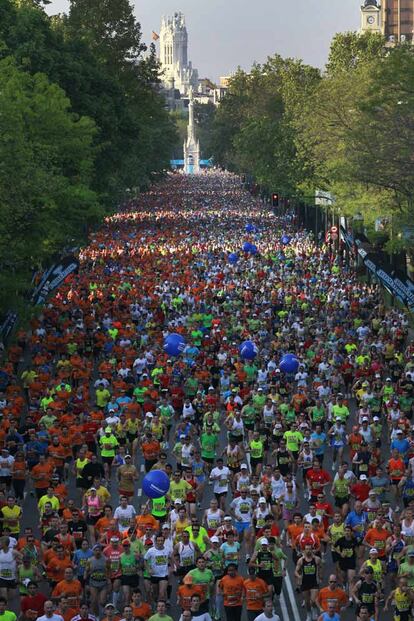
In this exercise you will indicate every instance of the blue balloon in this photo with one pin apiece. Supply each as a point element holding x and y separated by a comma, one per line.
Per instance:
<point>233,257</point>
<point>156,484</point>
<point>250,228</point>
<point>253,249</point>
<point>248,350</point>
<point>289,363</point>
<point>246,247</point>
<point>174,344</point>
<point>285,240</point>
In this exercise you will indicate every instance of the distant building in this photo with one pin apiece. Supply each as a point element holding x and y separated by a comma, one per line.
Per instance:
<point>177,71</point>
<point>371,18</point>
<point>392,18</point>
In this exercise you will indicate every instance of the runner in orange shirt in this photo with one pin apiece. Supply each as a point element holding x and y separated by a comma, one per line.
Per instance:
<point>70,587</point>
<point>256,590</point>
<point>231,586</point>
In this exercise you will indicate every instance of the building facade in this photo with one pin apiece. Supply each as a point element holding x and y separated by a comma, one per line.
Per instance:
<point>177,70</point>
<point>392,18</point>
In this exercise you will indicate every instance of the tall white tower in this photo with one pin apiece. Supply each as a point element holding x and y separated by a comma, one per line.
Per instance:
<point>177,71</point>
<point>191,145</point>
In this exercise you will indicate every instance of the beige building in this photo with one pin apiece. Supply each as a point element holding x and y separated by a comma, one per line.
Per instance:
<point>392,18</point>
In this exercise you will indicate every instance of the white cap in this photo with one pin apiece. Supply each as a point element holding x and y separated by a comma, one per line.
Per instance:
<point>388,379</point>
<point>376,418</point>
<point>149,415</point>
<point>262,499</point>
<point>264,541</point>
<point>364,419</point>
<point>363,477</point>
<point>373,551</point>
<point>243,466</point>
<point>215,539</point>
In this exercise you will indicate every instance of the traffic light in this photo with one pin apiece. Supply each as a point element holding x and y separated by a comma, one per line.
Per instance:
<point>275,200</point>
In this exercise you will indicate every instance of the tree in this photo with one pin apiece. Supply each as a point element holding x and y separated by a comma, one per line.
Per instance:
<point>47,158</point>
<point>110,30</point>
<point>204,115</point>
<point>254,129</point>
<point>349,50</point>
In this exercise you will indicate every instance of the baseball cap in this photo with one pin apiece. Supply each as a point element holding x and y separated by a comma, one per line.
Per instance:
<point>149,415</point>
<point>109,605</point>
<point>177,501</point>
<point>215,539</point>
<point>364,419</point>
<point>262,499</point>
<point>164,526</point>
<point>114,538</point>
<point>372,492</point>
<point>227,518</point>
<point>363,477</point>
<point>243,466</point>
<point>264,541</point>
<point>373,551</point>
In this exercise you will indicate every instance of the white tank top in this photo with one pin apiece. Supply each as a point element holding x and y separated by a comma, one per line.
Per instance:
<point>187,554</point>
<point>7,565</point>
<point>213,519</point>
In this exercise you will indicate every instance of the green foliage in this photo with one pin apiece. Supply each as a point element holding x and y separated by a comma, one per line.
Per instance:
<point>47,156</point>
<point>81,121</point>
<point>253,128</point>
<point>350,50</point>
<point>204,115</point>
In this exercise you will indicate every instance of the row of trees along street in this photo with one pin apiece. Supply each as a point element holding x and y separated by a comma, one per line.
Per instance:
<point>348,129</point>
<point>81,121</point>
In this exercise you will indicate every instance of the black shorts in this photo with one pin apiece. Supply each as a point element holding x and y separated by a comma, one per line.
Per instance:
<point>255,461</point>
<point>92,519</point>
<point>340,502</point>
<point>277,584</point>
<point>234,469</point>
<point>347,563</point>
<point>208,460</point>
<point>267,576</point>
<point>108,460</point>
<point>335,556</point>
<point>309,586</point>
<point>222,495</point>
<point>7,584</point>
<point>157,579</point>
<point>132,581</point>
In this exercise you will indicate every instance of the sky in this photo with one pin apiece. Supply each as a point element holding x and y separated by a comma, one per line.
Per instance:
<point>225,34</point>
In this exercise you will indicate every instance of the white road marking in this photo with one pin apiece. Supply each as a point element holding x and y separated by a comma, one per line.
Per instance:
<point>283,607</point>
<point>292,598</point>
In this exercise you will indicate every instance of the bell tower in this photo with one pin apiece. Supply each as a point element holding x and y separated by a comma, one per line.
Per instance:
<point>371,17</point>
<point>177,71</point>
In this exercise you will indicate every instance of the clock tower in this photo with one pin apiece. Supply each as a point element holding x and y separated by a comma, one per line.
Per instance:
<point>371,16</point>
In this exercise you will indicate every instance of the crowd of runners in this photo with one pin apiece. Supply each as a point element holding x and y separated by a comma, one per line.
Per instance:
<point>304,479</point>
